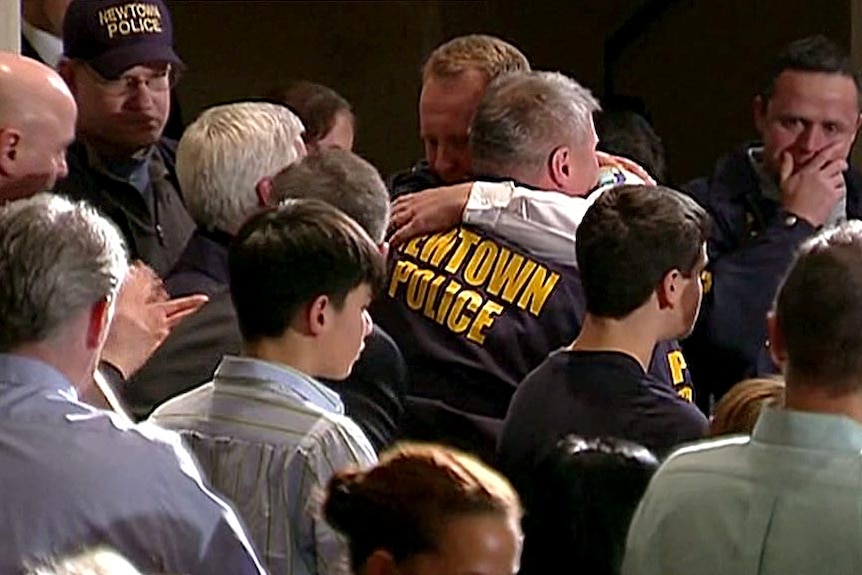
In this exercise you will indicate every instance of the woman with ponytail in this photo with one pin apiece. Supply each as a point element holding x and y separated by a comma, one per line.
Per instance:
<point>427,510</point>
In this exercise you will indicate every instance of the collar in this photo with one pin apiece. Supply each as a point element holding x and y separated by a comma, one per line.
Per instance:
<point>280,378</point>
<point>138,171</point>
<point>21,371</point>
<point>618,358</point>
<point>768,186</point>
<point>48,46</point>
<point>808,430</point>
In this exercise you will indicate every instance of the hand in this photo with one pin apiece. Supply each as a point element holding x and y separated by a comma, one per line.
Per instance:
<point>427,212</point>
<point>610,160</point>
<point>143,318</point>
<point>812,192</point>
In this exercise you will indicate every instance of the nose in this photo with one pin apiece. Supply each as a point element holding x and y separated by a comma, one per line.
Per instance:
<point>447,165</point>
<point>812,138</point>
<point>140,96</point>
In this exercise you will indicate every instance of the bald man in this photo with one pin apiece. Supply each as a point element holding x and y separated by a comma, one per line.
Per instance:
<point>37,124</point>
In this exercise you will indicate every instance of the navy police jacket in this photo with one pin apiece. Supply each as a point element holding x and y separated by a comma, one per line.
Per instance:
<point>473,314</point>
<point>751,246</point>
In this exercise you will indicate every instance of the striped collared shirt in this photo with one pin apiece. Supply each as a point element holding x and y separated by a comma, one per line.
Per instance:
<point>269,438</point>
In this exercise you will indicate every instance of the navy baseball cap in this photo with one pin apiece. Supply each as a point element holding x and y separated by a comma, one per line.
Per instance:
<point>115,35</point>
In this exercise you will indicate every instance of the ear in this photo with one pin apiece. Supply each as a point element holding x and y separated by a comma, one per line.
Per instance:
<point>669,289</point>
<point>97,326</point>
<point>384,249</point>
<point>380,563</point>
<point>560,166</point>
<point>758,109</point>
<point>777,349</point>
<point>264,191</point>
<point>317,315</point>
<point>10,140</point>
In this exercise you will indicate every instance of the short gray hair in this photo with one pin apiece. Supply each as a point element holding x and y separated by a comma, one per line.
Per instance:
<point>523,116</point>
<point>57,258</point>
<point>226,152</point>
<point>342,179</point>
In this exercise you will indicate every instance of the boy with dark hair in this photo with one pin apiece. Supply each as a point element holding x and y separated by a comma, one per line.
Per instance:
<point>640,252</point>
<point>266,431</point>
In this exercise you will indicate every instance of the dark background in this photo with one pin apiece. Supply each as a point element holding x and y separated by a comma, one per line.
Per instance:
<point>696,63</point>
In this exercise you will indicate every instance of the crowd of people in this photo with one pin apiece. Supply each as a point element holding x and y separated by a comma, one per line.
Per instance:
<point>572,366</point>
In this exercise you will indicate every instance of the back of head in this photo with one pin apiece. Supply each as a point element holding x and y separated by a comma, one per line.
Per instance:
<point>488,54</point>
<point>98,561</point>
<point>523,117</point>
<point>340,178</point>
<point>810,54</point>
<point>630,238</point>
<point>819,310</point>
<point>403,504</point>
<point>587,491</point>
<point>283,258</point>
<point>627,133</point>
<point>739,408</point>
<point>315,104</point>
<point>37,122</point>
<point>227,152</point>
<point>57,259</point>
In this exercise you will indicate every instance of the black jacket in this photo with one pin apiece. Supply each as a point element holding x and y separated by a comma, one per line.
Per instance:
<point>751,246</point>
<point>155,225</point>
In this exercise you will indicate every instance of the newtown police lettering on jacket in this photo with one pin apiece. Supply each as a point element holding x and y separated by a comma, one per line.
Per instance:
<point>505,278</point>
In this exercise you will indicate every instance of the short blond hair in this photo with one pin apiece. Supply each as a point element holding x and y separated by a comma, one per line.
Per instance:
<point>488,54</point>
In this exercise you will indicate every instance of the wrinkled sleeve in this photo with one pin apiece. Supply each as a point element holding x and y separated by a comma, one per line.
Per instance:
<point>330,447</point>
<point>542,222</point>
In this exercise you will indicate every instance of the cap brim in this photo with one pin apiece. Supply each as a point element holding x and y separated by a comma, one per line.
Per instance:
<point>114,62</point>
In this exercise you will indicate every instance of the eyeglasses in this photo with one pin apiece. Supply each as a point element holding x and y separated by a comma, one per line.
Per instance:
<point>159,81</point>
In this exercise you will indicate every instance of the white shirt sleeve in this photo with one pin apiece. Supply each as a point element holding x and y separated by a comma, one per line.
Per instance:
<point>541,222</point>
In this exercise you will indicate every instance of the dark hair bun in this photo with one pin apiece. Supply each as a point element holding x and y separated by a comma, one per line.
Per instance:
<point>341,509</point>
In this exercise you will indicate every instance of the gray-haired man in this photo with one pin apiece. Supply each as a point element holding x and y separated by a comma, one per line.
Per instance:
<point>69,469</point>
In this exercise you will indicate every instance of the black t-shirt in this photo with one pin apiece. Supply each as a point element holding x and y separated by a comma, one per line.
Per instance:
<point>592,394</point>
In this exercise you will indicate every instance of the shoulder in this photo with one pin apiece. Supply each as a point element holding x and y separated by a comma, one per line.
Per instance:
<point>336,441</point>
<point>731,178</point>
<point>186,404</point>
<point>167,147</point>
<point>705,457</point>
<point>558,362</point>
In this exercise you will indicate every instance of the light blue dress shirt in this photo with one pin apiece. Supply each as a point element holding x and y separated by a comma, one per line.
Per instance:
<point>269,438</point>
<point>73,477</point>
<point>788,500</point>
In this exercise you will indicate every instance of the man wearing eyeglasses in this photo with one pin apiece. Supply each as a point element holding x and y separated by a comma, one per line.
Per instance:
<point>120,64</point>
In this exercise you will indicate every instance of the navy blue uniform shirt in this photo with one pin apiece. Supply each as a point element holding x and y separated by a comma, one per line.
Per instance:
<point>592,394</point>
